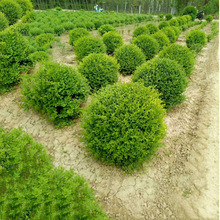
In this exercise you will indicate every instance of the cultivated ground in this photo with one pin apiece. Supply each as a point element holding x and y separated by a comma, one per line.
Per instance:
<point>180,183</point>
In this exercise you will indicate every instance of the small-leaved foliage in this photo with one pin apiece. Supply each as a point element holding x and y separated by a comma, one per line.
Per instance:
<point>129,57</point>
<point>170,34</point>
<point>153,28</point>
<point>124,125</point>
<point>87,45</point>
<point>167,76</point>
<point>163,24</point>
<point>182,55</point>
<point>100,70</point>
<point>30,188</point>
<point>140,30</point>
<point>3,22</point>
<point>77,33</point>
<point>148,45</point>
<point>56,91</point>
<point>190,10</point>
<point>106,28</point>
<point>45,41</point>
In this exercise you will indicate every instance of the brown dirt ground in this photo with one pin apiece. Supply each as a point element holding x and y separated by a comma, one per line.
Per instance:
<point>180,183</point>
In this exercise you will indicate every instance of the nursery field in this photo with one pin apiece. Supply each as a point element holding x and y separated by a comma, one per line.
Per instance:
<point>128,102</point>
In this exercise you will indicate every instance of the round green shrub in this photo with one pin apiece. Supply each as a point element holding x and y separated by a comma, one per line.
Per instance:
<point>141,30</point>
<point>163,24</point>
<point>35,31</point>
<point>188,18</point>
<point>26,6</point>
<point>45,40</point>
<point>167,76</point>
<point>77,33</point>
<point>190,10</point>
<point>170,34</point>
<point>160,17</point>
<point>11,10</point>
<point>174,22</point>
<point>112,41</point>
<point>180,54</point>
<point>58,9</point>
<point>168,16</point>
<point>124,125</point>
<point>152,28</point>
<point>87,45</point>
<point>209,18</point>
<point>148,45</point>
<point>129,58</point>
<point>196,40</point>
<point>59,29</point>
<point>3,22</point>
<point>100,70</point>
<point>56,91</point>
<point>98,23</point>
<point>39,56</point>
<point>180,21</point>
<point>176,30</point>
<point>69,26</point>
<point>105,28</point>
<point>89,26</point>
<point>161,39</point>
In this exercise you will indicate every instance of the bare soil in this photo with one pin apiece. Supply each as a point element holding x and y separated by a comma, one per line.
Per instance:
<point>180,183</point>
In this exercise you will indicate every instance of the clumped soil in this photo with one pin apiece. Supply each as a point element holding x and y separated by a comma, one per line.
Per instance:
<point>180,183</point>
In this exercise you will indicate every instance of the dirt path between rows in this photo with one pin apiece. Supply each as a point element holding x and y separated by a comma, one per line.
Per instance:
<point>181,183</point>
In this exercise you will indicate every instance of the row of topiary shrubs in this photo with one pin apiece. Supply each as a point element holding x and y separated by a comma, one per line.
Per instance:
<point>31,188</point>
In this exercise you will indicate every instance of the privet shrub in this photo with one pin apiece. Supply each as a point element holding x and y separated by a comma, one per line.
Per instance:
<point>167,76</point>
<point>173,22</point>
<point>190,10</point>
<point>35,31</point>
<point>58,29</point>
<point>168,16</point>
<point>148,45</point>
<point>57,91</point>
<point>181,54</point>
<point>100,70</point>
<point>68,26</point>
<point>3,22</point>
<point>163,24</point>
<point>87,45</point>
<point>11,10</point>
<point>152,28</point>
<point>106,28</point>
<point>58,9</point>
<point>129,58</point>
<point>32,189</point>
<point>161,39</point>
<point>196,40</point>
<point>112,41</point>
<point>139,31</point>
<point>170,34</point>
<point>77,33</point>
<point>176,30</point>
<point>160,17</point>
<point>124,125</point>
<point>39,56</point>
<point>45,40</point>
<point>209,18</point>
<point>26,6</point>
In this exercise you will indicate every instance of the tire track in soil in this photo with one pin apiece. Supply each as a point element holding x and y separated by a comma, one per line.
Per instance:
<point>173,185</point>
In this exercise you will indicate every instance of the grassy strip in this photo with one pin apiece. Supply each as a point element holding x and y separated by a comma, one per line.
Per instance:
<point>215,31</point>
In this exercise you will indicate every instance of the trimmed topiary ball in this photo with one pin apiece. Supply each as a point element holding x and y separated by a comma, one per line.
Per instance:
<point>129,58</point>
<point>87,45</point>
<point>170,34</point>
<point>77,33</point>
<point>124,125</point>
<point>152,28</point>
<point>209,18</point>
<point>163,24</point>
<point>142,30</point>
<point>100,70</point>
<point>112,41</point>
<point>167,76</point>
<point>177,31</point>
<point>59,29</point>
<point>3,22</point>
<point>196,40</point>
<point>11,9</point>
<point>106,28</point>
<point>161,39</point>
<point>26,6</point>
<point>148,45</point>
<point>56,91</point>
<point>174,22</point>
<point>168,16</point>
<point>39,56</point>
<point>182,55</point>
<point>45,40</point>
<point>180,21</point>
<point>190,10</point>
